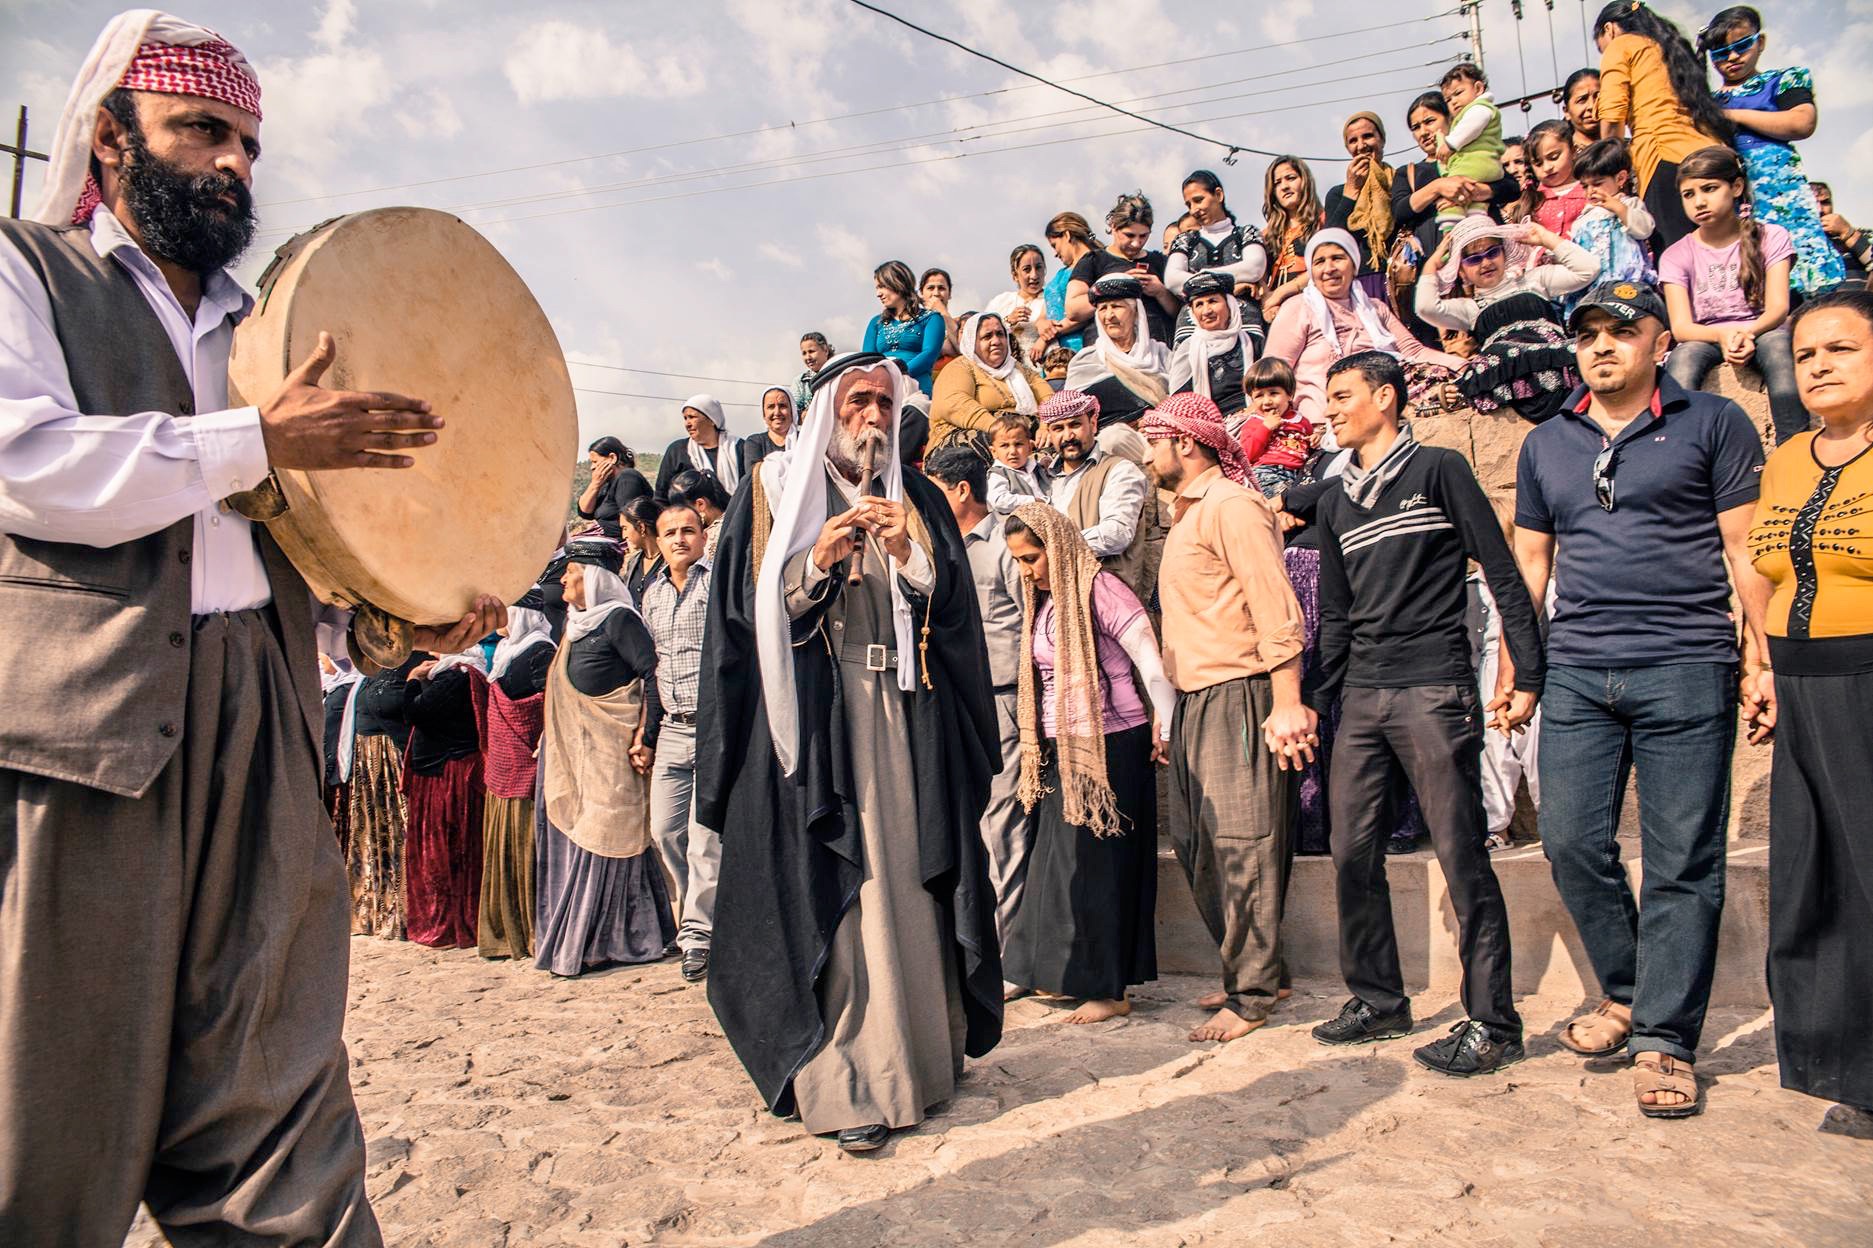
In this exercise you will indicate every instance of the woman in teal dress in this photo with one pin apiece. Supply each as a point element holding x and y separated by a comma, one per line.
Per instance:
<point>904,329</point>
<point>1771,110</point>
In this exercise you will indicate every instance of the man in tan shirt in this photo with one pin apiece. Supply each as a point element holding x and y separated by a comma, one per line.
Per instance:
<point>1232,646</point>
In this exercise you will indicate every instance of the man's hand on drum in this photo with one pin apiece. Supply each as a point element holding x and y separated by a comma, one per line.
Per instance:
<point>310,427</point>
<point>489,614</point>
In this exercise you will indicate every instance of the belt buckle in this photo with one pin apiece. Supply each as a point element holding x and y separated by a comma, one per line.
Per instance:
<point>875,658</point>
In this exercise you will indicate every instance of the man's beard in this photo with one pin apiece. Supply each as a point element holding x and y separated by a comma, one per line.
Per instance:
<point>844,451</point>
<point>181,217</point>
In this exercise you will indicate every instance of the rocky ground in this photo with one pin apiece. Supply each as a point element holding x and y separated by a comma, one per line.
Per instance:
<point>504,1107</point>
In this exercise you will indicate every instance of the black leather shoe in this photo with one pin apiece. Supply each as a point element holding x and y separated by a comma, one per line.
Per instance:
<point>696,965</point>
<point>1359,1023</point>
<point>1470,1049</point>
<point>1399,846</point>
<point>864,1139</point>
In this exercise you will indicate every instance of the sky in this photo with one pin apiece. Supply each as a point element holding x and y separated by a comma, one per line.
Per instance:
<point>686,188</point>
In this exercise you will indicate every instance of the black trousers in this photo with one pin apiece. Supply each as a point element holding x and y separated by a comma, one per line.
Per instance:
<point>1435,732</point>
<point>1666,206</point>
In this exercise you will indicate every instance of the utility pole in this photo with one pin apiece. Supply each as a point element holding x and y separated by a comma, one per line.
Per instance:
<point>18,151</point>
<point>1473,9</point>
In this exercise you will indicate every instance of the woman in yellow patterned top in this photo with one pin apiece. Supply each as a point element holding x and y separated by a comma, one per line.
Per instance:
<point>1813,542</point>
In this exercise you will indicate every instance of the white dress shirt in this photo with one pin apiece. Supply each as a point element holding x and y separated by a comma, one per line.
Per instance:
<point>104,478</point>
<point>1120,503</point>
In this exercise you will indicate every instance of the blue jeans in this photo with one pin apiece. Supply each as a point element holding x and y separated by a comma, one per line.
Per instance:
<point>1677,724</point>
<point>1691,362</point>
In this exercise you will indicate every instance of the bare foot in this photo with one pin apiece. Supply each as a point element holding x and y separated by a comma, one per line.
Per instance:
<point>1098,1011</point>
<point>1226,1026</point>
<point>1217,1000</point>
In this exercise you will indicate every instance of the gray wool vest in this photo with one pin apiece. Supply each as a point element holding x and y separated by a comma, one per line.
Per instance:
<point>94,641</point>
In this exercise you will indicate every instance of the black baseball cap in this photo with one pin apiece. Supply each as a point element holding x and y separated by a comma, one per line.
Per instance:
<point>1623,301</point>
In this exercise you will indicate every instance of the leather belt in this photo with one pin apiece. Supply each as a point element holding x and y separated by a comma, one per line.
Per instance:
<point>875,658</point>
<point>680,717</point>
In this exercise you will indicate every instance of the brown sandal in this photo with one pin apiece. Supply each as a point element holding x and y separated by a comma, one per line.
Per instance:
<point>1600,1034</point>
<point>1667,1074</point>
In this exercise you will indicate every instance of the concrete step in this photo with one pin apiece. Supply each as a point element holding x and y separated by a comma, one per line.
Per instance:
<point>1548,958</point>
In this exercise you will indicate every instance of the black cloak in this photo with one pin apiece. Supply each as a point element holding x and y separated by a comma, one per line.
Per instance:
<point>791,846</point>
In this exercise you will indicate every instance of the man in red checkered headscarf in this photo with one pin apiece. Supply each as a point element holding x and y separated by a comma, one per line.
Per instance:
<point>174,925</point>
<point>1232,646</point>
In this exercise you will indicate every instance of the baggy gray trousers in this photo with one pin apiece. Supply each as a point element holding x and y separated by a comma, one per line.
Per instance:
<point>172,984</point>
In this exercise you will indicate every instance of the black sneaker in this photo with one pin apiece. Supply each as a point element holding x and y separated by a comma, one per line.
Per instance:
<point>1470,1049</point>
<point>1359,1023</point>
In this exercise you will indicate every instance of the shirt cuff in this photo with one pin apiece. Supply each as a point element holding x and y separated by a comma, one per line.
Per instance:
<point>231,450</point>
<point>918,571</point>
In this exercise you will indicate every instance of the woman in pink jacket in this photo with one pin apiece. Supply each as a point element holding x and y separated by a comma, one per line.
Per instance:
<point>1333,317</point>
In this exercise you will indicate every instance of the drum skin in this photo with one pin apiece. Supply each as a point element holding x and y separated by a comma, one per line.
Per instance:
<point>419,304</point>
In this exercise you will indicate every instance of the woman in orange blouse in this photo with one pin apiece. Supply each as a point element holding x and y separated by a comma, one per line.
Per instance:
<point>1652,83</point>
<point>1812,550</point>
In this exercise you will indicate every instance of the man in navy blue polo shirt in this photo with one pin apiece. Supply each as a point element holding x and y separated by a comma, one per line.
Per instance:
<point>1635,496</point>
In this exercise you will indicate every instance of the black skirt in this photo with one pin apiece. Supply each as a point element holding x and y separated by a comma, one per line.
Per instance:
<point>1524,359</point>
<point>1821,868</point>
<point>1085,926</point>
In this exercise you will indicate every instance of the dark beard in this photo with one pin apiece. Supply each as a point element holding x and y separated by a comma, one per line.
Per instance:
<point>181,217</point>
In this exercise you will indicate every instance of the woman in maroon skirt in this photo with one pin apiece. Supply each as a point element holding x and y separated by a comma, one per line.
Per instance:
<point>443,790</point>
<point>511,721</point>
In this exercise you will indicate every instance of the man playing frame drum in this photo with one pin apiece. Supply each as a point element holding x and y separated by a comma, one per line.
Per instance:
<point>173,919</point>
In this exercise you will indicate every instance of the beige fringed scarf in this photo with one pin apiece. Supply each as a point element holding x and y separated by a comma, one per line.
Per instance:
<point>1080,747</point>
<point>1372,211</point>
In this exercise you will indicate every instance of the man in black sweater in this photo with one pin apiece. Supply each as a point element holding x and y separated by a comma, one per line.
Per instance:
<point>1396,535</point>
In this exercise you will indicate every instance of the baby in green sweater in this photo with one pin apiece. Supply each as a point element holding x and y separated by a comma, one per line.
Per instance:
<point>1473,146</point>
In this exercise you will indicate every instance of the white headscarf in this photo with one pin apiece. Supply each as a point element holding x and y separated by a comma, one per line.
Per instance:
<point>605,592</point>
<point>798,499</point>
<point>1191,360</point>
<point>471,657</point>
<point>793,415</point>
<point>1010,374</point>
<point>1146,354</point>
<point>526,628</point>
<point>69,162</point>
<point>1382,339</point>
<point>345,676</point>
<point>727,471</point>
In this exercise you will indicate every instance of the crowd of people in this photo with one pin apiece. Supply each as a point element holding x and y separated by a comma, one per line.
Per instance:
<point>867,717</point>
<point>1192,511</point>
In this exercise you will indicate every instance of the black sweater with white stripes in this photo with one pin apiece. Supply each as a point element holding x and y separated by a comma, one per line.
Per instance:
<point>1392,596</point>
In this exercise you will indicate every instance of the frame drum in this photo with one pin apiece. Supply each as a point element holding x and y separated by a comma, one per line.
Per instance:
<point>418,303</point>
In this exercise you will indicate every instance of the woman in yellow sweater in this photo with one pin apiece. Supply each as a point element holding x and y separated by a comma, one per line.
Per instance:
<point>1813,542</point>
<point>982,383</point>
<point>1652,83</point>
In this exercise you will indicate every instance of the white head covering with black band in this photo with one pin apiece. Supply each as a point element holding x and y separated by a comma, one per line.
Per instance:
<point>1146,354</point>
<point>1010,374</point>
<point>795,486</point>
<point>1190,362</point>
<point>527,627</point>
<point>725,468</point>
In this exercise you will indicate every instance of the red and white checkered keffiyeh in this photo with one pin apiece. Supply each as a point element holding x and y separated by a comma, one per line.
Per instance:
<point>1194,416</point>
<point>142,50</point>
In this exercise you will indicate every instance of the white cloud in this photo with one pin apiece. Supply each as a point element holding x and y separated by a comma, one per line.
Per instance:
<point>849,254</point>
<point>431,117</point>
<point>559,60</point>
<point>781,256</point>
<point>336,24</point>
<point>716,269</point>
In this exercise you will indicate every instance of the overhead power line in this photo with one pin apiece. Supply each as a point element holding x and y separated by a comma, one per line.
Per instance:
<point>651,372</point>
<point>904,164</point>
<point>971,133</point>
<point>659,398</point>
<point>855,115</point>
<point>1230,150</point>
